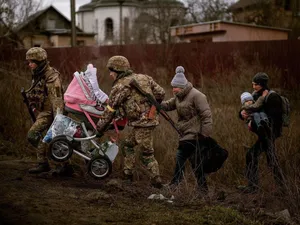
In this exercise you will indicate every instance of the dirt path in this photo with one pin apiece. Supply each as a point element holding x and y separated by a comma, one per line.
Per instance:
<point>28,199</point>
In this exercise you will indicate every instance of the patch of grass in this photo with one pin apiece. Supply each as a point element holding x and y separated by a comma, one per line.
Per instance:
<point>156,213</point>
<point>223,92</point>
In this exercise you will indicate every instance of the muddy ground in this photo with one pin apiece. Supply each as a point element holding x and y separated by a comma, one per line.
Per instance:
<point>30,199</point>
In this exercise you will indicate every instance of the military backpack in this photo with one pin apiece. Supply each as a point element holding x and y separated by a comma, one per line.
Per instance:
<point>286,109</point>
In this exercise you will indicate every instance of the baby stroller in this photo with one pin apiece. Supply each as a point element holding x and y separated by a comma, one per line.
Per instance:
<point>84,100</point>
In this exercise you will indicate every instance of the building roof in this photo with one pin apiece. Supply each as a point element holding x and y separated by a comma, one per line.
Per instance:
<point>34,16</point>
<point>105,3</point>
<point>142,3</point>
<point>39,13</point>
<point>233,23</point>
<point>245,3</point>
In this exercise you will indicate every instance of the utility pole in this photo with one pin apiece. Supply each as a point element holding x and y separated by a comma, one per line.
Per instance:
<point>73,22</point>
<point>121,19</point>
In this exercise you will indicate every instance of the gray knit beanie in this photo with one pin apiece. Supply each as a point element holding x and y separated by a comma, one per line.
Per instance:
<point>246,96</point>
<point>179,79</point>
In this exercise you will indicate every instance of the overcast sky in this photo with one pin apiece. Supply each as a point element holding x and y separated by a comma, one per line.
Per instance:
<point>64,5</point>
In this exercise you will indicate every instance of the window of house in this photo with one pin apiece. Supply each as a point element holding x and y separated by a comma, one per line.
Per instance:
<point>109,28</point>
<point>51,24</point>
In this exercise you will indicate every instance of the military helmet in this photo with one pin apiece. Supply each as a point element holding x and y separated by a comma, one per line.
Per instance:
<point>118,64</point>
<point>36,53</point>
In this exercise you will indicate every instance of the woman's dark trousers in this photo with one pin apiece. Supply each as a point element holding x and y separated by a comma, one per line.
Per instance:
<point>193,151</point>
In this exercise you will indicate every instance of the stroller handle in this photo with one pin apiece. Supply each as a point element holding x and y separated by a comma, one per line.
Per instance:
<point>85,138</point>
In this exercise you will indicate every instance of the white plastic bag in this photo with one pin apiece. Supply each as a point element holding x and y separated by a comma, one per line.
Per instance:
<point>110,149</point>
<point>61,125</point>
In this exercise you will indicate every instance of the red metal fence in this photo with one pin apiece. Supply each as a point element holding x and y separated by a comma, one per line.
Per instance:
<point>197,58</point>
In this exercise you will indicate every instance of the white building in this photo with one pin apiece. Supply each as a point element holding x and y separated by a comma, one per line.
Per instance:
<point>142,20</point>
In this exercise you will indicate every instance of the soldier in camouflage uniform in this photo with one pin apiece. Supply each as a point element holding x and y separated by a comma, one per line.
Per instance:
<point>131,104</point>
<point>45,98</point>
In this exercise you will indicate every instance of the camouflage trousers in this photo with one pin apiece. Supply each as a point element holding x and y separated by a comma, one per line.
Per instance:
<point>35,135</point>
<point>140,140</point>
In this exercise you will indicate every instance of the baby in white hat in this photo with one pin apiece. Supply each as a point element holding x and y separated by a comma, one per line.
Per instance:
<point>257,120</point>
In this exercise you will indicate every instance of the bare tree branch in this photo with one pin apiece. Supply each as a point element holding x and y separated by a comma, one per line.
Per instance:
<point>206,10</point>
<point>12,14</point>
<point>153,24</point>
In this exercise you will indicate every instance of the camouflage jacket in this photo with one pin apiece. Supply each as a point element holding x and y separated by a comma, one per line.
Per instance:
<point>47,94</point>
<point>126,100</point>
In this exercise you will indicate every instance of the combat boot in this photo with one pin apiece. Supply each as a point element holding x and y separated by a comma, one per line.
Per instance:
<point>40,168</point>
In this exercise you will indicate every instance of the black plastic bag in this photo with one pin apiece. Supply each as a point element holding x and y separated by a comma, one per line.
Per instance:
<point>215,155</point>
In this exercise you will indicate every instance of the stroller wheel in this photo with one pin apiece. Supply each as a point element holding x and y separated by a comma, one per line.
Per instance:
<point>99,167</point>
<point>60,149</point>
